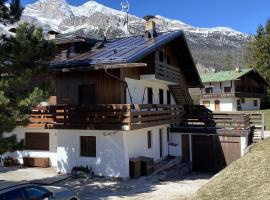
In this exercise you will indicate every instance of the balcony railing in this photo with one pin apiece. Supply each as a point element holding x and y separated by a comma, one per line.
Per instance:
<point>104,117</point>
<point>233,94</point>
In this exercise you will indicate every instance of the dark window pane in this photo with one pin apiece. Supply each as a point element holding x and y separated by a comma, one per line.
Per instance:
<point>149,95</point>
<point>14,195</point>
<point>161,56</point>
<point>161,98</point>
<point>88,146</point>
<point>169,62</point>
<point>208,90</point>
<point>168,97</point>
<point>227,89</point>
<point>36,193</point>
<point>149,139</point>
<point>87,95</point>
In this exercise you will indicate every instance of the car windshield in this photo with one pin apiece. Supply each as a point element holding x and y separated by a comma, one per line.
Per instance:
<point>36,193</point>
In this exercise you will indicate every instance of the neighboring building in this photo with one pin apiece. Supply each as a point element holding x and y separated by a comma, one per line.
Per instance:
<point>234,90</point>
<point>116,99</point>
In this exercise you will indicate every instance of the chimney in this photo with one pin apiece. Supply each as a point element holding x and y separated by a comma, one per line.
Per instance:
<point>238,69</point>
<point>52,35</point>
<point>150,27</point>
<point>64,55</point>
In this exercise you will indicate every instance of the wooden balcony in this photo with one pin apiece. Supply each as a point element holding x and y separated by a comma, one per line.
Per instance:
<point>233,94</point>
<point>221,123</point>
<point>104,117</point>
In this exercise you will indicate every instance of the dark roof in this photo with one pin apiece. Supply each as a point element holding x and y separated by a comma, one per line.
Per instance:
<point>73,39</point>
<point>131,50</point>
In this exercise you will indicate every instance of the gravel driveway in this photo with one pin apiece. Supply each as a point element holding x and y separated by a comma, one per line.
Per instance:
<point>140,189</point>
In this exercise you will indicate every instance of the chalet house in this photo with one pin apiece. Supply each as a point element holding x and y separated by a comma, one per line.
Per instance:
<point>234,90</point>
<point>116,99</point>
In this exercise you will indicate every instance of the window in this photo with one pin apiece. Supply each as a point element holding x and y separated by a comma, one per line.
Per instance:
<point>238,102</point>
<point>37,141</point>
<point>14,195</point>
<point>161,97</point>
<point>227,89</point>
<point>206,103</point>
<point>208,90</point>
<point>169,62</point>
<point>168,134</point>
<point>149,95</point>
<point>168,97</point>
<point>149,139</point>
<point>243,100</point>
<point>88,146</point>
<point>87,95</point>
<point>34,193</point>
<point>161,56</point>
<point>255,103</point>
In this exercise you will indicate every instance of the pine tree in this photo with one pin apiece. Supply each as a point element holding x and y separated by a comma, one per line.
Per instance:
<point>23,58</point>
<point>10,13</point>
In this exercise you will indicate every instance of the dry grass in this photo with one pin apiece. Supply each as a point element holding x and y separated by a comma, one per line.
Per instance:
<point>246,178</point>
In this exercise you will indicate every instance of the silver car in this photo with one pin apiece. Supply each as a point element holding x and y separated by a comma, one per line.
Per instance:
<point>27,191</point>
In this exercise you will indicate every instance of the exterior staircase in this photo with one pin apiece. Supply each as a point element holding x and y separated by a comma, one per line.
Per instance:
<point>181,95</point>
<point>257,121</point>
<point>196,114</point>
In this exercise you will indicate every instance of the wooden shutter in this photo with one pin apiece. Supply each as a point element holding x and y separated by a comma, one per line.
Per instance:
<point>37,141</point>
<point>88,146</point>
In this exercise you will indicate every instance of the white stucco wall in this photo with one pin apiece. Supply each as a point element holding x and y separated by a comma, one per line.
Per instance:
<point>111,155</point>
<point>175,149</point>
<point>138,90</point>
<point>248,105</point>
<point>243,144</point>
<point>226,104</point>
<point>216,86</point>
<point>52,153</point>
<point>137,143</point>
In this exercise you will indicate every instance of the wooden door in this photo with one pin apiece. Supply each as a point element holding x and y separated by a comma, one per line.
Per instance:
<point>87,95</point>
<point>185,148</point>
<point>160,143</point>
<point>217,105</point>
<point>211,153</point>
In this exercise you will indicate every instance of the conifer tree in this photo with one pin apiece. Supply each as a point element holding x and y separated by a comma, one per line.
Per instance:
<point>23,65</point>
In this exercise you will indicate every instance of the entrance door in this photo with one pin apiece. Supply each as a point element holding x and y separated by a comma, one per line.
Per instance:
<point>217,105</point>
<point>87,95</point>
<point>185,148</point>
<point>160,143</point>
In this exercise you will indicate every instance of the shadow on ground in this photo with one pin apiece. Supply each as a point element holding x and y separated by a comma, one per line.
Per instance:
<point>98,188</point>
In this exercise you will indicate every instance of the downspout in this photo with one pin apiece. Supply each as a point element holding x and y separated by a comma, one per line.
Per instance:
<point>125,83</point>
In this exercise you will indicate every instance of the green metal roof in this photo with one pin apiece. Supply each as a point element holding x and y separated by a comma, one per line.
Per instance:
<point>221,76</point>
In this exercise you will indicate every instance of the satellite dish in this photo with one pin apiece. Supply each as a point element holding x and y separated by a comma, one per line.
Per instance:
<point>125,6</point>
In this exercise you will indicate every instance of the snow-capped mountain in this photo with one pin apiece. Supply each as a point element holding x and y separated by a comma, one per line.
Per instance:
<point>210,46</point>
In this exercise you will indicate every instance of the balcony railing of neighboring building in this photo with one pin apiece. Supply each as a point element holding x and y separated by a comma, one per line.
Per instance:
<point>233,94</point>
<point>104,117</point>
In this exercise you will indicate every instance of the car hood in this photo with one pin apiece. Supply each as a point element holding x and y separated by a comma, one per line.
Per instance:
<point>60,193</point>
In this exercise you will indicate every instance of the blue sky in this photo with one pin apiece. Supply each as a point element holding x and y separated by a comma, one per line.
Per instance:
<point>242,15</point>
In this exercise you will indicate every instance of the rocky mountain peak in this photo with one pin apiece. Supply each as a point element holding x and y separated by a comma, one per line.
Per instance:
<point>209,46</point>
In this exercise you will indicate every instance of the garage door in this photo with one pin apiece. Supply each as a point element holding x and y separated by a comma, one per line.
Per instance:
<point>213,153</point>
